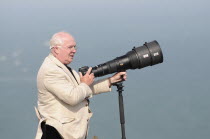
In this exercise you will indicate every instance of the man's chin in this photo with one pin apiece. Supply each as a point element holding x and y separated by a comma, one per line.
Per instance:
<point>69,61</point>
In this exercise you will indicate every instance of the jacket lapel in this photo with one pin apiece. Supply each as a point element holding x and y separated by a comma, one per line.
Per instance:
<point>63,67</point>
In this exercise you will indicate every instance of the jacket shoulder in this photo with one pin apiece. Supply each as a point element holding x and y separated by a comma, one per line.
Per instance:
<point>48,66</point>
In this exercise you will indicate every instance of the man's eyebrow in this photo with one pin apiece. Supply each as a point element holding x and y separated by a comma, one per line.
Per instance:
<point>72,45</point>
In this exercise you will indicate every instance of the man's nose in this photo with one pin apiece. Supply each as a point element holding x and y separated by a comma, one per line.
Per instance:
<point>74,50</point>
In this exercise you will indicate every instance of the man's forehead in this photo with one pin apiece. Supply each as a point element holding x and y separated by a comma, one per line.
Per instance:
<point>69,41</point>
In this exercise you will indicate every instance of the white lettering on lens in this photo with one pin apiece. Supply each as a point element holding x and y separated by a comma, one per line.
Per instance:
<point>145,56</point>
<point>156,54</point>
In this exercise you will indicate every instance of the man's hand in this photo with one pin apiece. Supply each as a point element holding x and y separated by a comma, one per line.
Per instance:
<point>88,78</point>
<point>118,77</point>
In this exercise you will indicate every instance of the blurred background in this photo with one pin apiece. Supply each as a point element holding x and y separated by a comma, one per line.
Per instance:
<point>165,101</point>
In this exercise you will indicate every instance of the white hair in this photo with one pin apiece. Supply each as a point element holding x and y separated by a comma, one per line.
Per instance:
<point>56,40</point>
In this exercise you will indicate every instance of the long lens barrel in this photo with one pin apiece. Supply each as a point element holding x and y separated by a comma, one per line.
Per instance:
<point>139,57</point>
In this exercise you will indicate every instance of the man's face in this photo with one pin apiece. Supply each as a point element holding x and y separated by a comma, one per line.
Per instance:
<point>67,50</point>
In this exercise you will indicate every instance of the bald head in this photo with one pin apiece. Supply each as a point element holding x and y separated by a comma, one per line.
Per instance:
<point>59,38</point>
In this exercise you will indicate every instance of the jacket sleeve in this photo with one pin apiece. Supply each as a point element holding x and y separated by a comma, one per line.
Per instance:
<point>99,86</point>
<point>56,82</point>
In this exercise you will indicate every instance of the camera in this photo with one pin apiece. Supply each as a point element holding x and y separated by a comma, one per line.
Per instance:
<point>139,57</point>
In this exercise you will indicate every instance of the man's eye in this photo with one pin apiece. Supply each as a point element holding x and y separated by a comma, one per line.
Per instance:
<point>72,47</point>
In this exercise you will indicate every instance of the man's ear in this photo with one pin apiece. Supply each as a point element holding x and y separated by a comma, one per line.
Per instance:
<point>56,49</point>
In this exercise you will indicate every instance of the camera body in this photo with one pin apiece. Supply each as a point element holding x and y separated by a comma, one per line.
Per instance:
<point>83,70</point>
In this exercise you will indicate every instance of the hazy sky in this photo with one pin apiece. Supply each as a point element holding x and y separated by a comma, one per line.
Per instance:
<point>165,101</point>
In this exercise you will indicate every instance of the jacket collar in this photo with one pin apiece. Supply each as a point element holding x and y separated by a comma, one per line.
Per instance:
<point>62,66</point>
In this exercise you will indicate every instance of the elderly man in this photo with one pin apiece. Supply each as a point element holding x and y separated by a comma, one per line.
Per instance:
<point>63,109</point>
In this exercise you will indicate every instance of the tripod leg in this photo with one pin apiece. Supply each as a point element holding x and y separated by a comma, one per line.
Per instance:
<point>121,108</point>
<point>122,117</point>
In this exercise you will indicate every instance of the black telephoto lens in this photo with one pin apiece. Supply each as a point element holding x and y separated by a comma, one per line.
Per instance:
<point>139,57</point>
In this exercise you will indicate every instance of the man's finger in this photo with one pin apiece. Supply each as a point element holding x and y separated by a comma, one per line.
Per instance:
<point>125,77</point>
<point>92,74</point>
<point>89,70</point>
<point>123,73</point>
<point>80,74</point>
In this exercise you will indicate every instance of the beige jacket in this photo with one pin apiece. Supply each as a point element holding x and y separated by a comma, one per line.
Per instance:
<point>62,101</point>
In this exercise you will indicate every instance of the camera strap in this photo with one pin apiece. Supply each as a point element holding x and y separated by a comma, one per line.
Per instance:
<point>72,73</point>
